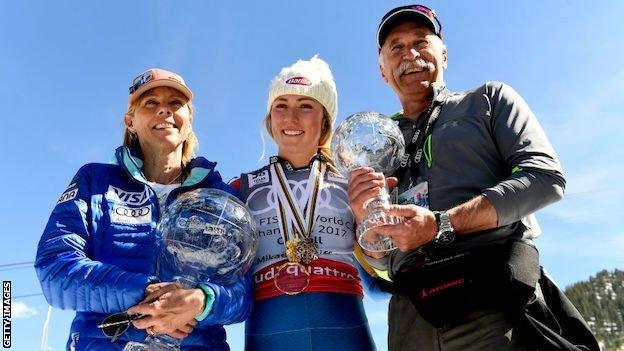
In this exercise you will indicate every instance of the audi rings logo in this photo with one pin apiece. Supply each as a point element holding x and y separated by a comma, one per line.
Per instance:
<point>127,215</point>
<point>132,212</point>
<point>405,159</point>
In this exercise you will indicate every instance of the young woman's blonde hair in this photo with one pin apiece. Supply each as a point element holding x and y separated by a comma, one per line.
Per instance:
<point>188,148</point>
<point>327,130</point>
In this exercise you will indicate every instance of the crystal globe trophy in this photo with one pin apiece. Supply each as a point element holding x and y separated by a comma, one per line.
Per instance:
<point>370,139</point>
<point>205,235</point>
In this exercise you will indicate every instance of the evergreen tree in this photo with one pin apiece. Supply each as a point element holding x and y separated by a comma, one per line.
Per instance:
<point>601,301</point>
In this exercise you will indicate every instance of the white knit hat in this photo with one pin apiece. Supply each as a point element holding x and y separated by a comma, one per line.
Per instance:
<point>311,78</point>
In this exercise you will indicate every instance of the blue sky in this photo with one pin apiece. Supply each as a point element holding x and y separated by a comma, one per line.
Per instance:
<point>66,67</point>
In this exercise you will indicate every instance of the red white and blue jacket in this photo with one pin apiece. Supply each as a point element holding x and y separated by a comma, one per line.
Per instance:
<point>99,251</point>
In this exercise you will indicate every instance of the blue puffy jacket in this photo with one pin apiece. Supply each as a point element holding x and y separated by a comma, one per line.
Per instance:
<point>98,253</point>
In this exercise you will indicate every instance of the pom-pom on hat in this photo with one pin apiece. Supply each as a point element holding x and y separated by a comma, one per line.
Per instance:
<point>312,78</point>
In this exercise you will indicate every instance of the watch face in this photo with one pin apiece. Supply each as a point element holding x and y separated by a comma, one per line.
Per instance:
<point>445,238</point>
<point>445,235</point>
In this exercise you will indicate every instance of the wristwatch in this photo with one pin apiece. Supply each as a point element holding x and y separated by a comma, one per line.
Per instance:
<point>446,233</point>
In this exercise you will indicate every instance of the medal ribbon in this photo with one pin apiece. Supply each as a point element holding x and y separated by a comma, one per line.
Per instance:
<point>288,209</point>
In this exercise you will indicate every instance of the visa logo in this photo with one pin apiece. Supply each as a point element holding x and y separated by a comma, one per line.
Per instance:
<point>129,197</point>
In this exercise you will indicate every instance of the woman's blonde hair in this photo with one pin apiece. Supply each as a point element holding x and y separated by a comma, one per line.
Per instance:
<point>327,130</point>
<point>188,148</point>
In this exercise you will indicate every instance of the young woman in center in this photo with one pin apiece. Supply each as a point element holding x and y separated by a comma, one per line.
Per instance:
<point>308,295</point>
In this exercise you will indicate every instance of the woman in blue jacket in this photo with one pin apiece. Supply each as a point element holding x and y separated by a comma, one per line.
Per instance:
<point>98,252</point>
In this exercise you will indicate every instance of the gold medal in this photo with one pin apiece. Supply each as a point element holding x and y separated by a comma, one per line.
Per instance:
<point>292,249</point>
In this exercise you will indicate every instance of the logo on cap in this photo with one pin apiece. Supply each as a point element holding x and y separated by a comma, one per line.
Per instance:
<point>141,80</point>
<point>298,81</point>
<point>425,10</point>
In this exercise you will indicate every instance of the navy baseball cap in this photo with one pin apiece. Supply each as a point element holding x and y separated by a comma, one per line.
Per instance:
<point>418,13</point>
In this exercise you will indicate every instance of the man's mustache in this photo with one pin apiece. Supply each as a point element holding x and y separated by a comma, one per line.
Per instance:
<point>418,64</point>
